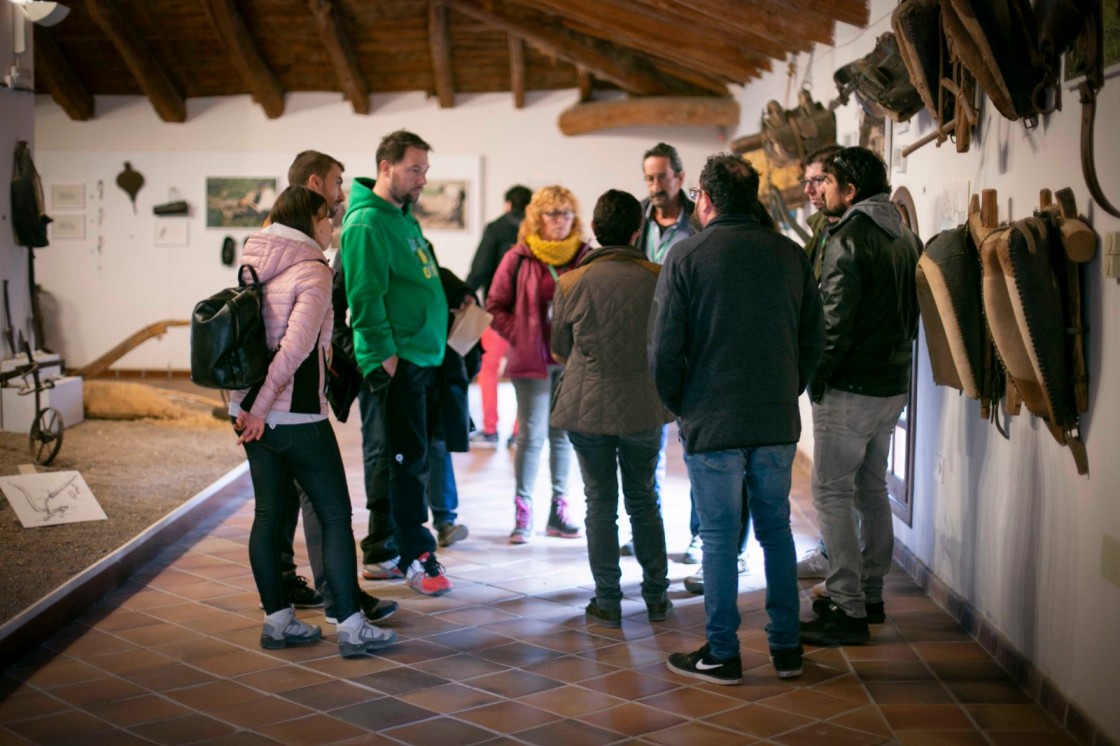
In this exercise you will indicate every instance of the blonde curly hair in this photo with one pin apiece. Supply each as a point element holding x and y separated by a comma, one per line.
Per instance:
<point>547,199</point>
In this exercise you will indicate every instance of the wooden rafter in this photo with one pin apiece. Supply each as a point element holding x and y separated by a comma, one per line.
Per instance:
<point>592,117</point>
<point>51,66</point>
<point>439,41</point>
<point>149,74</point>
<point>855,12</point>
<point>622,67</point>
<point>517,71</point>
<point>583,84</point>
<point>764,18</point>
<point>341,52</point>
<point>259,79</point>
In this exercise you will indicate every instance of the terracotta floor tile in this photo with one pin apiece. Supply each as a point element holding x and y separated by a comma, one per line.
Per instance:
<point>632,719</point>
<point>450,698</point>
<point>951,651</point>
<point>400,680</point>
<point>380,714</point>
<point>867,719</point>
<point>988,692</point>
<point>1011,717</point>
<point>892,671</point>
<point>459,667</point>
<point>926,717</point>
<point>894,651</point>
<point>1029,738</point>
<point>144,709</point>
<point>214,695</point>
<point>517,654</point>
<point>132,659</point>
<point>98,691</point>
<point>62,727</point>
<point>846,687</point>
<point>629,685</point>
<point>827,734</point>
<point>508,716</point>
<point>697,732</point>
<point>28,704</point>
<point>571,701</point>
<point>196,649</point>
<point>810,703</point>
<point>94,643</point>
<point>123,619</point>
<point>183,729</point>
<point>442,730</point>
<point>411,652</point>
<point>694,701</point>
<point>514,684</point>
<point>167,678</point>
<point>566,733</point>
<point>470,639</point>
<point>62,673</point>
<point>758,720</point>
<point>316,729</point>
<point>261,712</point>
<point>329,694</point>
<point>968,670</point>
<point>908,692</point>
<point>941,738</point>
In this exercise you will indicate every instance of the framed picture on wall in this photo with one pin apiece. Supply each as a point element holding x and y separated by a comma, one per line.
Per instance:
<point>238,202</point>
<point>68,196</point>
<point>443,205</point>
<point>68,226</point>
<point>1073,62</point>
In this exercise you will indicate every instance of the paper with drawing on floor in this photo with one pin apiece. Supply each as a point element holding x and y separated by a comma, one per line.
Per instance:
<point>51,498</point>
<point>467,328</point>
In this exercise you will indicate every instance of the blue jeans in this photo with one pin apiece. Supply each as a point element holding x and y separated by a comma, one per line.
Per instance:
<point>600,458</point>
<point>851,441</point>
<point>534,404</point>
<point>725,486</point>
<point>309,455</point>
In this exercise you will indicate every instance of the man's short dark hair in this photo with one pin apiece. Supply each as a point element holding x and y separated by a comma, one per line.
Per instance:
<point>821,155</point>
<point>665,150</point>
<point>298,207</point>
<point>395,144</point>
<point>862,169</point>
<point>731,183</point>
<point>617,217</point>
<point>311,163</point>
<point>518,198</point>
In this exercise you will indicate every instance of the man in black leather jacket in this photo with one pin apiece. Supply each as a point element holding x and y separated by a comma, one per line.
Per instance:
<point>859,389</point>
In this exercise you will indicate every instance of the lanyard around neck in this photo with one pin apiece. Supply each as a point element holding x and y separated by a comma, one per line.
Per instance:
<point>661,248</point>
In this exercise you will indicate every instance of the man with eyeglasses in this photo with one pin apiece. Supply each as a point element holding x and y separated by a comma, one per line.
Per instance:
<point>859,389</point>
<point>737,331</point>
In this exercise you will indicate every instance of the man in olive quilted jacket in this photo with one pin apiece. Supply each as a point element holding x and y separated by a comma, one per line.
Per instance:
<point>608,404</point>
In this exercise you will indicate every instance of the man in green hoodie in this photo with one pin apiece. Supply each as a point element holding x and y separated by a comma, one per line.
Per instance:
<point>398,313</point>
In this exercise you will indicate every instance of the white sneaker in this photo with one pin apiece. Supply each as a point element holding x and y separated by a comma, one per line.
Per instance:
<point>387,570</point>
<point>694,553</point>
<point>813,565</point>
<point>357,637</point>
<point>281,629</point>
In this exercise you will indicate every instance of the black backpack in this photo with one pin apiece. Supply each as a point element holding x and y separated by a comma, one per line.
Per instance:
<point>228,347</point>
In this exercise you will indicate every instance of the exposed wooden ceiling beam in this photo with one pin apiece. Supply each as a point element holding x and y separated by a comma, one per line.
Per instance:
<point>341,52</point>
<point>52,68</point>
<point>764,18</point>
<point>517,71</point>
<point>439,41</point>
<point>661,110</point>
<point>855,12</point>
<point>149,74</point>
<point>583,84</point>
<point>625,69</point>
<point>242,51</point>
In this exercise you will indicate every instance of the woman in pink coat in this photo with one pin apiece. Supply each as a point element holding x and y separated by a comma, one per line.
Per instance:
<point>549,243</point>
<point>283,424</point>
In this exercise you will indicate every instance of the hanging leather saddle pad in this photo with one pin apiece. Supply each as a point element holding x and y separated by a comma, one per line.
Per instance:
<point>788,136</point>
<point>1025,311</point>
<point>949,296</point>
<point>922,46</point>
<point>996,41</point>
<point>881,82</point>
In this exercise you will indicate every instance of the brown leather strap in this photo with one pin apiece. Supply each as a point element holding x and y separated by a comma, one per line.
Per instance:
<point>1088,164</point>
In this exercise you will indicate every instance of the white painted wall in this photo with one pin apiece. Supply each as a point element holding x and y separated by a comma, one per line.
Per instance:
<point>1012,527</point>
<point>105,294</point>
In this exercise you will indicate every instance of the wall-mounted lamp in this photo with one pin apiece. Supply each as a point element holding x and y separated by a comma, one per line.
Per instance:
<point>38,12</point>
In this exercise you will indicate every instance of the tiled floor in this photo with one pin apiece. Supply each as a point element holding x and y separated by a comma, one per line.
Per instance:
<point>507,657</point>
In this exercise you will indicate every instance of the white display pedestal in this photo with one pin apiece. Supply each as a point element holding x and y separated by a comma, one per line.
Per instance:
<point>18,412</point>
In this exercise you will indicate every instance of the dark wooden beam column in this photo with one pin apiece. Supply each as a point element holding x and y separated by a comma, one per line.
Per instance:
<point>52,68</point>
<point>439,40</point>
<point>517,71</point>
<point>341,52</point>
<point>660,110</point>
<point>629,71</point>
<point>238,42</point>
<point>149,74</point>
<point>583,83</point>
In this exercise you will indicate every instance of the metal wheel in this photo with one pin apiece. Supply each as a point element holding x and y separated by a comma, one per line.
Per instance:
<point>46,436</point>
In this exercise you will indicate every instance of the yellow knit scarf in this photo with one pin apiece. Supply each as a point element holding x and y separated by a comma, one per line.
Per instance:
<point>556,253</point>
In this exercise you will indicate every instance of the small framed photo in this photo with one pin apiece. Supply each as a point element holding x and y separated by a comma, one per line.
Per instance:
<point>69,226</point>
<point>1073,61</point>
<point>68,196</point>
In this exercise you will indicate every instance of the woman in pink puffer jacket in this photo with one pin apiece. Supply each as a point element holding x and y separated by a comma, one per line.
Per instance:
<point>283,424</point>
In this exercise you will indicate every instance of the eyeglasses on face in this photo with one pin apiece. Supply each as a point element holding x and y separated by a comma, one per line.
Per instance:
<point>558,214</point>
<point>815,182</point>
<point>694,193</point>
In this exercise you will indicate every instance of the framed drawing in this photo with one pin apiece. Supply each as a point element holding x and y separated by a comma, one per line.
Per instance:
<point>1073,62</point>
<point>443,205</point>
<point>68,196</point>
<point>238,202</point>
<point>69,226</point>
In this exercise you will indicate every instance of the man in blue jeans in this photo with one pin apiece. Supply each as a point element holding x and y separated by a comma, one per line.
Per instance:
<point>737,332</point>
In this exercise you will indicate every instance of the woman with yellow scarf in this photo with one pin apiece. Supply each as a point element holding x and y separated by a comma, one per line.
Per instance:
<point>549,243</point>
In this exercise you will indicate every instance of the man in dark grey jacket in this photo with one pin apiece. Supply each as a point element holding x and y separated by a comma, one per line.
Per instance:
<point>737,333</point>
<point>859,389</point>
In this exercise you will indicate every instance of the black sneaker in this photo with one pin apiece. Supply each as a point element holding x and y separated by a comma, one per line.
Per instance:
<point>835,628</point>
<point>607,617</point>
<point>373,608</point>
<point>659,612</point>
<point>301,595</point>
<point>787,662</point>
<point>876,613</point>
<point>700,665</point>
